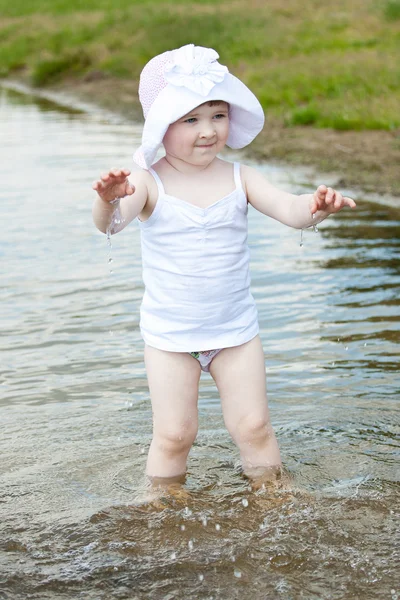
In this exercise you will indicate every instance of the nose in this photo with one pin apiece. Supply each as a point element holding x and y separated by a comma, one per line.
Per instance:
<point>207,130</point>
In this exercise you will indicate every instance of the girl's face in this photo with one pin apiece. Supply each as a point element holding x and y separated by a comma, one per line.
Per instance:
<point>197,137</point>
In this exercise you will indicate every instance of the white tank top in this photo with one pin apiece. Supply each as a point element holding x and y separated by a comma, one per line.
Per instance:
<point>196,273</point>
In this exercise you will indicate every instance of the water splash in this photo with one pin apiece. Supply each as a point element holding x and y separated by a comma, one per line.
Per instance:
<point>109,244</point>
<point>113,227</point>
<point>332,537</point>
<point>314,228</point>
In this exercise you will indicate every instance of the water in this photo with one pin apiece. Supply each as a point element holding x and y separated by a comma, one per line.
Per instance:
<point>76,417</point>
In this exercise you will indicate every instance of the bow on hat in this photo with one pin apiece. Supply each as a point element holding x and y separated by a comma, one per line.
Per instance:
<point>195,68</point>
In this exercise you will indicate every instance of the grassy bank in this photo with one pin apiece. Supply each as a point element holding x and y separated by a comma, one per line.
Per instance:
<point>313,65</point>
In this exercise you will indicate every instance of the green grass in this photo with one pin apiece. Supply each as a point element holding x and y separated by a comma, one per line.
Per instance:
<point>392,10</point>
<point>52,70</point>
<point>310,63</point>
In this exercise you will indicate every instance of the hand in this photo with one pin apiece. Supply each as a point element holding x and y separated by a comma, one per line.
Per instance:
<point>329,200</point>
<point>114,184</point>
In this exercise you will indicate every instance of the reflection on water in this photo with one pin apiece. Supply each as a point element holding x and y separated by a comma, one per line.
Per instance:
<point>76,419</point>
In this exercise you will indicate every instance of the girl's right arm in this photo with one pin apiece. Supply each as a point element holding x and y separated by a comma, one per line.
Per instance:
<point>119,200</point>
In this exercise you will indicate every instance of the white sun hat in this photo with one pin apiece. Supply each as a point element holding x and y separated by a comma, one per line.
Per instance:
<point>172,84</point>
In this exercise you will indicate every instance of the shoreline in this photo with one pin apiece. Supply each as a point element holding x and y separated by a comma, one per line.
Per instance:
<point>366,162</point>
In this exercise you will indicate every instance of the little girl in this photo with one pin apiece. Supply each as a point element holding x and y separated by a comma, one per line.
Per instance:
<point>197,311</point>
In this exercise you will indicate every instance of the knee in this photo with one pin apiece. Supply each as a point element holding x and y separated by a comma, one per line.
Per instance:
<point>176,439</point>
<point>252,429</point>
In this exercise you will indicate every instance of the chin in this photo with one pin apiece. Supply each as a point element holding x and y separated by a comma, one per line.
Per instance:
<point>205,160</point>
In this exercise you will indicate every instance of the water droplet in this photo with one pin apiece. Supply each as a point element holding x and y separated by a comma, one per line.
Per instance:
<point>108,235</point>
<point>237,573</point>
<point>187,511</point>
<point>280,560</point>
<point>315,229</point>
<point>365,343</point>
<point>346,348</point>
<point>173,555</point>
<point>201,577</point>
<point>245,502</point>
<point>204,521</point>
<point>233,558</point>
<point>301,238</point>
<point>333,364</point>
<point>183,528</point>
<point>115,568</point>
<point>141,450</point>
<point>190,544</point>
<point>218,527</point>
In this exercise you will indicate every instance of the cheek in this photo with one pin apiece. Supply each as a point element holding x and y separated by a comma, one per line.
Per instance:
<point>168,138</point>
<point>224,131</point>
<point>175,139</point>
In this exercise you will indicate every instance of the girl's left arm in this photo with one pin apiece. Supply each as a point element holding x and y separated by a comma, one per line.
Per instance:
<point>295,211</point>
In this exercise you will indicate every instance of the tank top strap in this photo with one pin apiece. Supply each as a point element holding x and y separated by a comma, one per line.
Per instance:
<point>158,182</point>
<point>236,174</point>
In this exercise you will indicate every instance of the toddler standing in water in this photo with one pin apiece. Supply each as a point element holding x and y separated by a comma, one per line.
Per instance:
<point>197,311</point>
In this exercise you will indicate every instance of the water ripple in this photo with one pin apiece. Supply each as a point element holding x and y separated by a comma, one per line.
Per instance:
<point>78,519</point>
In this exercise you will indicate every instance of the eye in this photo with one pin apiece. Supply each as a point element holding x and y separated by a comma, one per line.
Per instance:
<point>190,120</point>
<point>220,116</point>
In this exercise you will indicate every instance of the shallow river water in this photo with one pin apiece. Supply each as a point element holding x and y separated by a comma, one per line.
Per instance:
<point>76,416</point>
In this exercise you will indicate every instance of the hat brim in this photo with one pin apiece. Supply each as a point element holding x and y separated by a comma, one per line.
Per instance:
<point>246,116</point>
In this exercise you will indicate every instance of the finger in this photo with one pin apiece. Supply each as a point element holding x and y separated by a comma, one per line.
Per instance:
<point>130,188</point>
<point>314,204</point>
<point>321,191</point>
<point>349,202</point>
<point>338,201</point>
<point>330,196</point>
<point>105,177</point>
<point>98,185</point>
<point>115,172</point>
<point>319,198</point>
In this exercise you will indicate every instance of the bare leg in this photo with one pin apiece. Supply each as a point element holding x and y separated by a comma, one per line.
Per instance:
<point>239,373</point>
<point>173,379</point>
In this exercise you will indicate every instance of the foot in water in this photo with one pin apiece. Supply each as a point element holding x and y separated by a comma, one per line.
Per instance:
<point>275,486</point>
<point>161,493</point>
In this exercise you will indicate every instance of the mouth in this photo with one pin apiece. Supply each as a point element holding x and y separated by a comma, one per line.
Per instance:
<point>206,145</point>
